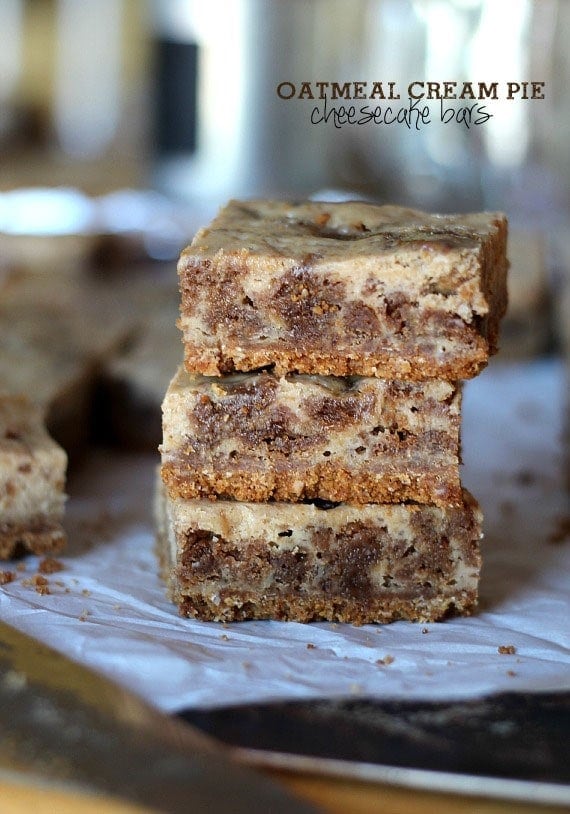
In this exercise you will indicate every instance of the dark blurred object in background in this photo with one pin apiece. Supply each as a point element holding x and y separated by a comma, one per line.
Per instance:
<point>187,90</point>
<point>180,96</point>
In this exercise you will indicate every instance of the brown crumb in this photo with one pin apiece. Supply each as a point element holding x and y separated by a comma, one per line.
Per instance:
<point>49,565</point>
<point>6,577</point>
<point>225,637</point>
<point>83,616</point>
<point>511,673</point>
<point>561,532</point>
<point>21,566</point>
<point>425,630</point>
<point>386,660</point>
<point>40,584</point>
<point>86,592</point>
<point>507,650</point>
<point>310,646</point>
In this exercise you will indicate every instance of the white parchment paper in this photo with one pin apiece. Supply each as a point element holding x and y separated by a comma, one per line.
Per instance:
<point>107,608</point>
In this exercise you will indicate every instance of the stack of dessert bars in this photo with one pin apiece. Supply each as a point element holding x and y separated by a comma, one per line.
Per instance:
<point>311,441</point>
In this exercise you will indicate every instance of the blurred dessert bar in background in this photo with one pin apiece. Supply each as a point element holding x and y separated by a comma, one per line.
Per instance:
<point>526,330</point>
<point>134,380</point>
<point>32,481</point>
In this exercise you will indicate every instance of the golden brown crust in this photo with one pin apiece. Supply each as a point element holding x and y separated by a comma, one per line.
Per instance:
<point>412,367</point>
<point>248,605</point>
<point>35,537</point>
<point>325,482</point>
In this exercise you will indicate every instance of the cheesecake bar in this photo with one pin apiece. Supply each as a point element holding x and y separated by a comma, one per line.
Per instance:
<point>259,437</point>
<point>134,381</point>
<point>55,337</point>
<point>527,327</point>
<point>343,289</point>
<point>230,561</point>
<point>40,359</point>
<point>32,480</point>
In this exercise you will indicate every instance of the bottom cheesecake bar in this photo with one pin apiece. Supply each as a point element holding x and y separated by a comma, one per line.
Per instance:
<point>32,479</point>
<point>230,561</point>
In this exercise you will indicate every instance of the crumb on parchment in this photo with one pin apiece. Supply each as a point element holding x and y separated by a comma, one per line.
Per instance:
<point>39,583</point>
<point>386,660</point>
<point>49,565</point>
<point>507,649</point>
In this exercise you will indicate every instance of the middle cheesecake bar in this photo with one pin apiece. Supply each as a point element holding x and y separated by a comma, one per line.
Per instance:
<point>260,437</point>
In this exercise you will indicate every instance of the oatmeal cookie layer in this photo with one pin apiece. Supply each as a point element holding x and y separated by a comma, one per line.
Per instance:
<point>257,437</point>
<point>343,289</point>
<point>230,561</point>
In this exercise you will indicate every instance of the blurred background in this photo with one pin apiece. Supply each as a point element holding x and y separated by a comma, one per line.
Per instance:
<point>125,124</point>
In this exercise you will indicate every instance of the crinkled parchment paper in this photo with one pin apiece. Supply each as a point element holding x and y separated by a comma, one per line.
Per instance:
<point>107,607</point>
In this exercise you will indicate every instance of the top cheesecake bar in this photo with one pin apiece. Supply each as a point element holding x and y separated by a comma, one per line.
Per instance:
<point>343,289</point>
